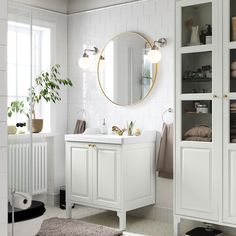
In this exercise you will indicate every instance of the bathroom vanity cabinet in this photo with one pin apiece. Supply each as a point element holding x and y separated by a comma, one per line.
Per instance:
<point>110,172</point>
<point>205,164</point>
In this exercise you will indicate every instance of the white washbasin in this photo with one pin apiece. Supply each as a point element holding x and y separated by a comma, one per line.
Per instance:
<point>146,136</point>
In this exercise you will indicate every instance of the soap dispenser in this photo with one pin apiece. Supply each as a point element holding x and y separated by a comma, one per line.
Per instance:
<point>103,127</point>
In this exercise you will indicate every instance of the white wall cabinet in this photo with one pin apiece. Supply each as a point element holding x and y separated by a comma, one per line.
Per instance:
<point>113,176</point>
<point>205,168</point>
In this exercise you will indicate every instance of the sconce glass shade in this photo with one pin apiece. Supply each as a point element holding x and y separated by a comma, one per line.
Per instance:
<point>154,55</point>
<point>84,62</point>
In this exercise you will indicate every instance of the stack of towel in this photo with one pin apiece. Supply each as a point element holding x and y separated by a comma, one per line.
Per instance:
<point>233,122</point>
<point>233,69</point>
<point>200,133</point>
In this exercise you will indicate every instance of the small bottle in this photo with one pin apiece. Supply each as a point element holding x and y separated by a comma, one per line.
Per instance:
<point>203,37</point>
<point>103,127</point>
<point>209,34</point>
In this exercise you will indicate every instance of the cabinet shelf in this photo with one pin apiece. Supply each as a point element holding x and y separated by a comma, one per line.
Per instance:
<point>196,49</point>
<point>195,113</point>
<point>196,80</point>
<point>195,96</point>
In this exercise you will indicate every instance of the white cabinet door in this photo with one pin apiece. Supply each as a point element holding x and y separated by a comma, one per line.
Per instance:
<point>79,172</point>
<point>106,175</point>
<point>197,183</point>
<point>198,162</point>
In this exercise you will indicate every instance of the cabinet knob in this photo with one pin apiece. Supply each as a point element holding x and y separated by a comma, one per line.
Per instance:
<point>215,96</point>
<point>225,95</point>
<point>90,145</point>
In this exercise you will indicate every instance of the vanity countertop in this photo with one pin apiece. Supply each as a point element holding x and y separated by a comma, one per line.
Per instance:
<point>146,136</point>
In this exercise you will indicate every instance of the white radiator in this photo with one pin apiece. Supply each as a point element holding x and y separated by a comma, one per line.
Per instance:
<point>20,174</point>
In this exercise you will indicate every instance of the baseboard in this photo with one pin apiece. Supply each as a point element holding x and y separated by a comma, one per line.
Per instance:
<point>154,213</point>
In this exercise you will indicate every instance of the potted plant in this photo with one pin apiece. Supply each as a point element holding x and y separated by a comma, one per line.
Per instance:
<point>46,86</point>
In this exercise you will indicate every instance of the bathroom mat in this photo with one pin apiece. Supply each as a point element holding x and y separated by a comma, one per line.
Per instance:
<point>70,227</point>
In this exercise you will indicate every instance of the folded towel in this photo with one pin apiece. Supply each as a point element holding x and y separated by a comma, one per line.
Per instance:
<point>80,127</point>
<point>233,73</point>
<point>68,227</point>
<point>198,139</point>
<point>165,155</point>
<point>233,65</point>
<point>233,105</point>
<point>199,131</point>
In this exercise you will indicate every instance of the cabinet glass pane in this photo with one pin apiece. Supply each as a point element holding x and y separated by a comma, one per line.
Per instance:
<point>197,72</point>
<point>233,70</point>
<point>197,24</point>
<point>232,20</point>
<point>197,121</point>
<point>233,121</point>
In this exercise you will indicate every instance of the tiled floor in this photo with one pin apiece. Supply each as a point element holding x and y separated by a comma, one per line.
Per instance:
<point>134,224</point>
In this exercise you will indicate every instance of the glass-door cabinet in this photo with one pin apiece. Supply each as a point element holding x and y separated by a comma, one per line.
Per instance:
<point>198,108</point>
<point>229,112</point>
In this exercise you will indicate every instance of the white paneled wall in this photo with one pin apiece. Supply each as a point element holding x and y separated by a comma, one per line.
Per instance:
<point>153,18</point>
<point>3,118</point>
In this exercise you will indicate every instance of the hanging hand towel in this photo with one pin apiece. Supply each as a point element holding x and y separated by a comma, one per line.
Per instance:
<point>80,127</point>
<point>165,155</point>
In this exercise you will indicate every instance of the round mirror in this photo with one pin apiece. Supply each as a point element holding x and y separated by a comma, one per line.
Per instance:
<point>125,74</point>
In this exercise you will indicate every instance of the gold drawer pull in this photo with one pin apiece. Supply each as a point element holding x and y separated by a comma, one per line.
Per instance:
<point>92,145</point>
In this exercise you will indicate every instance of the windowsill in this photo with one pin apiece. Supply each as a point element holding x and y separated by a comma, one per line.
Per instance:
<point>34,136</point>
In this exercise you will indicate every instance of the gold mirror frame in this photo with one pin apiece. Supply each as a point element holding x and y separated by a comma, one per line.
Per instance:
<point>155,68</point>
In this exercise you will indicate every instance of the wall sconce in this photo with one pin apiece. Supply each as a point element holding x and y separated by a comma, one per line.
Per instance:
<point>84,60</point>
<point>154,54</point>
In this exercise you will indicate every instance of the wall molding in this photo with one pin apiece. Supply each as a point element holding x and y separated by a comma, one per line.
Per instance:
<point>15,3</point>
<point>106,7</point>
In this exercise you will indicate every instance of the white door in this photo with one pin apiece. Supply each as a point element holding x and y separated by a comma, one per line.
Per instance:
<point>229,119</point>
<point>106,175</point>
<point>79,172</point>
<point>198,162</point>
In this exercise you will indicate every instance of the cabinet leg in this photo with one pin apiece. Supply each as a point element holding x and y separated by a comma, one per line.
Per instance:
<point>177,220</point>
<point>69,210</point>
<point>122,220</point>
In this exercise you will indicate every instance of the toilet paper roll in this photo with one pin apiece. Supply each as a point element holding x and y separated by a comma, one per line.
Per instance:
<point>22,200</point>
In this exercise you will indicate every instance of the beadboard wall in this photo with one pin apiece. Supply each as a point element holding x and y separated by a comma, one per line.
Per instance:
<point>153,18</point>
<point>3,117</point>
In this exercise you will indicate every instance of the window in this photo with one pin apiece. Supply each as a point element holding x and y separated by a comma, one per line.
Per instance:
<point>19,65</point>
